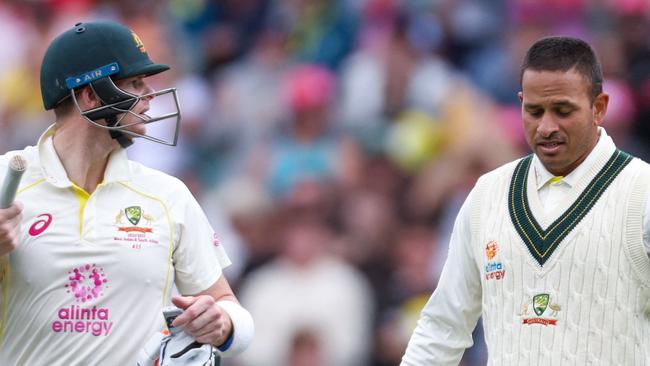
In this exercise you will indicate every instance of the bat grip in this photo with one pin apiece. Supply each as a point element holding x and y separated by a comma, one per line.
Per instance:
<point>17,166</point>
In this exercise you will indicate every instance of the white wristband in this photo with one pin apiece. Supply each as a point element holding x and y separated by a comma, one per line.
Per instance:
<point>243,329</point>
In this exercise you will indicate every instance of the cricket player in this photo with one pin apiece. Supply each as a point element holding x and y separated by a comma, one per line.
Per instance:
<point>95,242</point>
<point>552,249</point>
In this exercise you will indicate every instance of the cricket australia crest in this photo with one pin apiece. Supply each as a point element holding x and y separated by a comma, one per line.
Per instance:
<point>541,306</point>
<point>540,302</point>
<point>140,229</point>
<point>133,214</point>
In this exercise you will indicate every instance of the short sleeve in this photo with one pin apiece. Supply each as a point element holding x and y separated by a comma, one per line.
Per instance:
<point>198,257</point>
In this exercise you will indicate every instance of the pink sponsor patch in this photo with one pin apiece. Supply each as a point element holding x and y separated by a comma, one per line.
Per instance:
<point>86,282</point>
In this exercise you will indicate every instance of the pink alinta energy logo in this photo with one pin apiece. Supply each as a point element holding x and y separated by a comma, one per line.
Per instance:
<point>86,282</point>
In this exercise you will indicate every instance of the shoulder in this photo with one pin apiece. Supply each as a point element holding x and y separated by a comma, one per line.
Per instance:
<point>504,172</point>
<point>632,167</point>
<point>494,183</point>
<point>30,154</point>
<point>157,183</point>
<point>640,166</point>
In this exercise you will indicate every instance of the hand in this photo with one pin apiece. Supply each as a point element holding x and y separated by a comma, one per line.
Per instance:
<point>203,319</point>
<point>10,219</point>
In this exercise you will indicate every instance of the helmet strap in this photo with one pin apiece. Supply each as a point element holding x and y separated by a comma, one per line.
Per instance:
<point>118,135</point>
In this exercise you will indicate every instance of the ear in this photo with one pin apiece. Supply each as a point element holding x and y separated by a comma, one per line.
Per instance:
<point>600,108</point>
<point>87,98</point>
<point>521,96</point>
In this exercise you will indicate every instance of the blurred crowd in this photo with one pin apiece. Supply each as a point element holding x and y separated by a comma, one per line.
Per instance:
<point>331,142</point>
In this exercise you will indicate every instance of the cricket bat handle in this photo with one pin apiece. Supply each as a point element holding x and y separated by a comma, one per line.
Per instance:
<point>17,166</point>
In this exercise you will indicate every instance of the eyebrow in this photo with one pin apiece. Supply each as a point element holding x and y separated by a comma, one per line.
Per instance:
<point>560,103</point>
<point>563,103</point>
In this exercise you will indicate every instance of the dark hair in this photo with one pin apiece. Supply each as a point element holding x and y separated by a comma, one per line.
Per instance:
<point>63,108</point>
<point>564,54</point>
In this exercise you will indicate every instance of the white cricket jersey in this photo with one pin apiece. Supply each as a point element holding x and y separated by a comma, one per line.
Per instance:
<point>87,282</point>
<point>586,300</point>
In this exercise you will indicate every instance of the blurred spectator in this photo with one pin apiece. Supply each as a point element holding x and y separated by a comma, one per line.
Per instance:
<point>321,31</point>
<point>305,288</point>
<point>394,70</point>
<point>308,150</point>
<point>306,350</point>
<point>247,106</point>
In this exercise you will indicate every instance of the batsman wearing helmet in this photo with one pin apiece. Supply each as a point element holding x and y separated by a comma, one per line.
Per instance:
<point>95,242</point>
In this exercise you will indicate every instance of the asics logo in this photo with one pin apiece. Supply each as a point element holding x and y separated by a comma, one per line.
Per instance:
<point>41,225</point>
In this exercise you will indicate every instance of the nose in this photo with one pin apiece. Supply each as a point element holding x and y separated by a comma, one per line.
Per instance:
<point>147,91</point>
<point>547,126</point>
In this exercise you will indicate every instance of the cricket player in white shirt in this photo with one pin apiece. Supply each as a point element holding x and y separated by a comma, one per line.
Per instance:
<point>94,242</point>
<point>552,249</point>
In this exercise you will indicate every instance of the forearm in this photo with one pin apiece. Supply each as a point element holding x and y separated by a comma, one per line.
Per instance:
<point>443,332</point>
<point>445,327</point>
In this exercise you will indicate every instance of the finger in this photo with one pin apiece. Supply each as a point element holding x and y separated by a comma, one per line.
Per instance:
<point>183,302</point>
<point>17,234</point>
<point>12,211</point>
<point>209,337</point>
<point>9,239</point>
<point>199,305</point>
<point>16,220</point>
<point>10,226</point>
<point>206,322</point>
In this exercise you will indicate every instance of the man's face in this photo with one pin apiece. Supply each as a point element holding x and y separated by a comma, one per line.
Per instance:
<point>138,86</point>
<point>560,121</point>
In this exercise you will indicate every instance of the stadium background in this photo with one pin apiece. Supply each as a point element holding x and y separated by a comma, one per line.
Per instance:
<point>332,142</point>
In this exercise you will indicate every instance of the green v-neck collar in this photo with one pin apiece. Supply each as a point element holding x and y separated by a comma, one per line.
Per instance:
<point>542,243</point>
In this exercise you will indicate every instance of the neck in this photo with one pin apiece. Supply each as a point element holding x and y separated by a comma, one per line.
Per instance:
<point>83,150</point>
